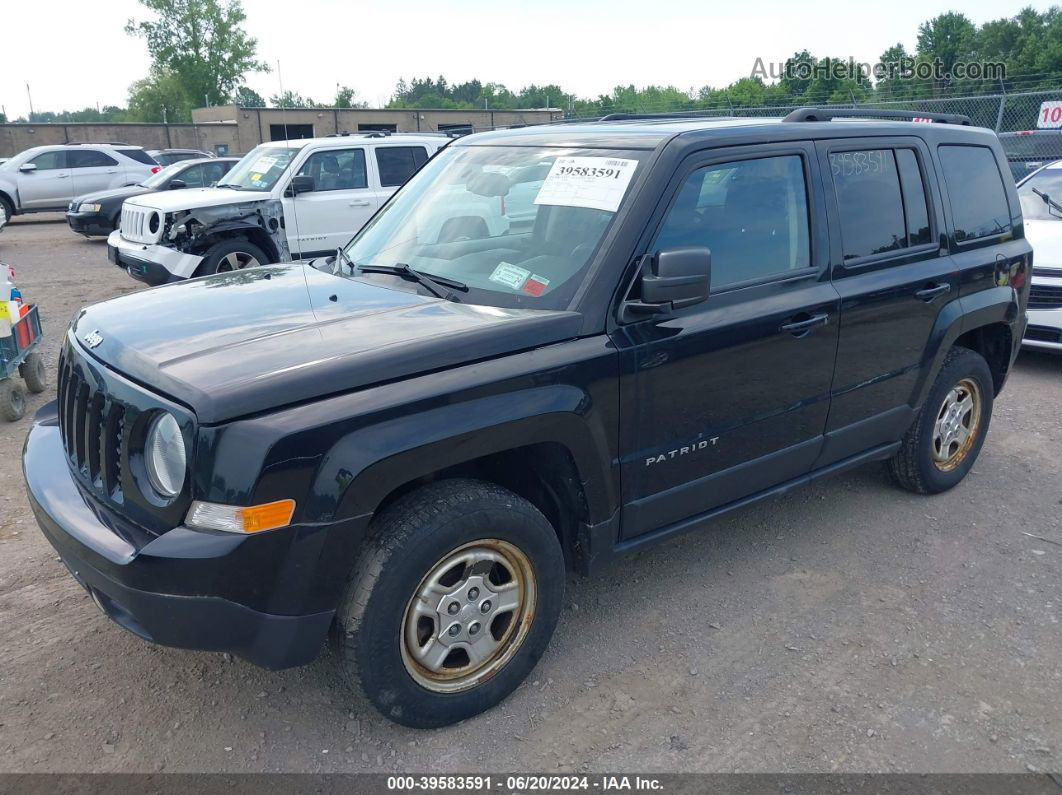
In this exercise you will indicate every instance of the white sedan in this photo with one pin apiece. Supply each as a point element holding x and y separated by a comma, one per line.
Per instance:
<point>1040,194</point>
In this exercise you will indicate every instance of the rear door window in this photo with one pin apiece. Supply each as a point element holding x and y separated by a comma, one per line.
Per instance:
<point>399,163</point>
<point>978,199</point>
<point>90,158</point>
<point>869,201</point>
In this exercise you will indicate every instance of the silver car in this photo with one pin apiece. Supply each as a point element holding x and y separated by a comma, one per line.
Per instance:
<point>46,178</point>
<point>1041,206</point>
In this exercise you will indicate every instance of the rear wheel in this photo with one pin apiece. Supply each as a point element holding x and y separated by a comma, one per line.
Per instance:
<point>12,400</point>
<point>232,255</point>
<point>949,431</point>
<point>453,602</point>
<point>34,373</point>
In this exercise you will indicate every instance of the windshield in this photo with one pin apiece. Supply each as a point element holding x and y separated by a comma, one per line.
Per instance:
<point>517,225</point>
<point>260,168</point>
<point>1033,206</point>
<point>160,178</point>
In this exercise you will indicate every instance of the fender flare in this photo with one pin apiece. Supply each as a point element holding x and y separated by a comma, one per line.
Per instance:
<point>366,465</point>
<point>969,312</point>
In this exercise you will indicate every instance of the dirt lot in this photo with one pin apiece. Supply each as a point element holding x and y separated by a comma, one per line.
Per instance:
<point>849,626</point>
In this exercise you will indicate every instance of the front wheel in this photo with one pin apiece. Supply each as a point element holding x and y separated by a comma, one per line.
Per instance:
<point>231,255</point>
<point>949,431</point>
<point>453,602</point>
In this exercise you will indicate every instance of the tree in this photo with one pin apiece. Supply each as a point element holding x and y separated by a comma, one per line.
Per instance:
<point>947,38</point>
<point>248,98</point>
<point>160,97</point>
<point>202,44</point>
<point>346,97</point>
<point>292,99</point>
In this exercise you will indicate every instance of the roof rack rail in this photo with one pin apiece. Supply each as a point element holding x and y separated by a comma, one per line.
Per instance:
<point>99,143</point>
<point>681,114</point>
<point>827,114</point>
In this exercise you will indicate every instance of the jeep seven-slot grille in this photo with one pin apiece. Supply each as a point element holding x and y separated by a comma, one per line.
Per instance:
<point>1045,297</point>
<point>135,224</point>
<point>92,427</point>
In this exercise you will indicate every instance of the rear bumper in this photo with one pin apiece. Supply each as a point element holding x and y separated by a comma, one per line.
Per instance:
<point>119,576</point>
<point>152,265</point>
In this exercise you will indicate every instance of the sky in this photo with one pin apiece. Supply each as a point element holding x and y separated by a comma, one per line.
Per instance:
<point>83,56</point>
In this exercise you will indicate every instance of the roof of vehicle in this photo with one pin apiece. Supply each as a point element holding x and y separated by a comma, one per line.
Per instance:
<point>175,151</point>
<point>1015,133</point>
<point>649,133</point>
<point>195,160</point>
<point>365,137</point>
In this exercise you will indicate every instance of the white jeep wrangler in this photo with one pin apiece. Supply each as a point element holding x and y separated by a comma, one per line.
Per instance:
<point>285,200</point>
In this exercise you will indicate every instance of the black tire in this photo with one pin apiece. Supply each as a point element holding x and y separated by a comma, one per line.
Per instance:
<point>227,256</point>
<point>914,466</point>
<point>410,539</point>
<point>12,400</point>
<point>9,209</point>
<point>34,373</point>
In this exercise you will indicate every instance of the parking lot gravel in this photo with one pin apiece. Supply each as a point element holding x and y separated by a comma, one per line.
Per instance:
<point>848,626</point>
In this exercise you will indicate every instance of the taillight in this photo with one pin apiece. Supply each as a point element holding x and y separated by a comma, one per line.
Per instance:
<point>156,169</point>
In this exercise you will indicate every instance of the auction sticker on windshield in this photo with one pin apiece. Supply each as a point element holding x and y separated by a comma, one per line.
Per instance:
<point>510,275</point>
<point>263,164</point>
<point>596,182</point>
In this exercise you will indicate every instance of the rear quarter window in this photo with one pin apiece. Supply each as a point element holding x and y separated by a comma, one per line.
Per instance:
<point>975,187</point>
<point>139,155</point>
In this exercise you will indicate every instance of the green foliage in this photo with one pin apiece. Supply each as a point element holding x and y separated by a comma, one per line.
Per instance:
<point>158,97</point>
<point>347,97</point>
<point>248,98</point>
<point>293,99</point>
<point>199,43</point>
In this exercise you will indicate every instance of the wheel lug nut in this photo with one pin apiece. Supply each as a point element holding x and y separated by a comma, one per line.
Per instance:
<point>472,630</point>
<point>473,593</point>
<point>455,629</point>
<point>485,607</point>
<point>453,608</point>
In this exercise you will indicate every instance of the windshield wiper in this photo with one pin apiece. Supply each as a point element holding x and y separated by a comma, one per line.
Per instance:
<point>1048,200</point>
<point>341,258</point>
<point>437,285</point>
<point>232,185</point>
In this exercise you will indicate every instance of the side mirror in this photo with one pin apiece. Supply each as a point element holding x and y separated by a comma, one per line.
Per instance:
<point>28,168</point>
<point>177,184</point>
<point>677,278</point>
<point>301,183</point>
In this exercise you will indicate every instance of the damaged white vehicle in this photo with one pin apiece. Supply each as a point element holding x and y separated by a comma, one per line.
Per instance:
<point>285,200</point>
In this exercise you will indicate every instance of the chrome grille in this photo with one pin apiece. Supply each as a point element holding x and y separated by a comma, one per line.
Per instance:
<point>1045,297</point>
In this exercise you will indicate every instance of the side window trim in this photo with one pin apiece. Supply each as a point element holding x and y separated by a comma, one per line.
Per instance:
<point>831,145</point>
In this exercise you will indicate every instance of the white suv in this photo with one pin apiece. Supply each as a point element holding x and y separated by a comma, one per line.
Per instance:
<point>46,178</point>
<point>284,200</point>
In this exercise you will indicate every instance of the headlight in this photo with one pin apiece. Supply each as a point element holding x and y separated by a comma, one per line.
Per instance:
<point>89,208</point>
<point>164,456</point>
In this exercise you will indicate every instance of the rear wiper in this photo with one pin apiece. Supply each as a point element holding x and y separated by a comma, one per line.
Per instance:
<point>437,285</point>
<point>1048,200</point>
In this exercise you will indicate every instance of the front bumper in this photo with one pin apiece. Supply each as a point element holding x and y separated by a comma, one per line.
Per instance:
<point>89,224</point>
<point>123,579</point>
<point>152,265</point>
<point>1044,331</point>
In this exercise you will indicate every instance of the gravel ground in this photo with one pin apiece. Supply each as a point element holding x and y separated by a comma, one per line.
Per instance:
<point>846,627</point>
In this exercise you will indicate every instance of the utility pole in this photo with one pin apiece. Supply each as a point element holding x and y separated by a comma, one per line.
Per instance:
<point>30,95</point>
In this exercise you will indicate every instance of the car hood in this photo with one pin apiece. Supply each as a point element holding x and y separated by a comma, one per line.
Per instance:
<point>1045,236</point>
<point>171,201</point>
<point>248,341</point>
<point>115,193</point>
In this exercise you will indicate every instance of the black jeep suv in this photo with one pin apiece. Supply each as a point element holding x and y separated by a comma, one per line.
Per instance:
<point>553,345</point>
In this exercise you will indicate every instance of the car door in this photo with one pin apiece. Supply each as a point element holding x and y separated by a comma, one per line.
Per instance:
<point>92,170</point>
<point>730,397</point>
<point>894,275</point>
<point>46,185</point>
<point>321,220</point>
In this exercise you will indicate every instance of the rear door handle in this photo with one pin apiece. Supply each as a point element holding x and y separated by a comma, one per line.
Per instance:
<point>927,294</point>
<point>798,328</point>
<point>359,203</point>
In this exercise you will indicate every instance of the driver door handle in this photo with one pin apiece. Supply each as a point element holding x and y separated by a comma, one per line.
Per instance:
<point>799,328</point>
<point>359,203</point>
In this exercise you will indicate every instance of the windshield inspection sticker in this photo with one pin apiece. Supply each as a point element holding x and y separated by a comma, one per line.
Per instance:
<point>535,285</point>
<point>597,182</point>
<point>510,275</point>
